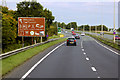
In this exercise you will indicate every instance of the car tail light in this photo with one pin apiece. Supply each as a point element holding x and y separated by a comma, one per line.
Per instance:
<point>74,40</point>
<point>67,40</point>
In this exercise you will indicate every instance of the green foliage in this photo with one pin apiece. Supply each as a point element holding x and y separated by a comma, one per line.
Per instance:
<point>87,28</point>
<point>55,36</point>
<point>9,29</point>
<point>71,25</point>
<point>4,10</point>
<point>48,17</point>
<point>52,31</point>
<point>118,29</point>
<point>12,47</point>
<point>29,9</point>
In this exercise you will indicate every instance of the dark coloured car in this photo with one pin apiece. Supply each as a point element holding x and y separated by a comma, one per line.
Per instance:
<point>71,41</point>
<point>77,37</point>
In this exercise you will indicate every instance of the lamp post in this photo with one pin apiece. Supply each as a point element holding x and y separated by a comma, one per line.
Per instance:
<point>83,28</point>
<point>96,29</point>
<point>102,22</point>
<point>114,21</point>
<point>90,29</point>
<point>102,29</point>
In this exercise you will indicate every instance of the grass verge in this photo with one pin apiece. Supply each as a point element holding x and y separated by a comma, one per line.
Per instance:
<point>8,64</point>
<point>55,36</point>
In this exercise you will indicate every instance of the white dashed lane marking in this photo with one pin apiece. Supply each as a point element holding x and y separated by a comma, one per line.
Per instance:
<point>84,53</point>
<point>93,68</point>
<point>87,59</point>
<point>98,77</point>
<point>83,50</point>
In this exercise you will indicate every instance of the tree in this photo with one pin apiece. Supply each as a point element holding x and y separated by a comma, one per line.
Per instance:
<point>29,9</point>
<point>74,25</point>
<point>4,9</point>
<point>63,25</point>
<point>8,12</point>
<point>68,26</point>
<point>86,27</point>
<point>0,27</point>
<point>118,29</point>
<point>48,17</point>
<point>9,29</point>
<point>71,25</point>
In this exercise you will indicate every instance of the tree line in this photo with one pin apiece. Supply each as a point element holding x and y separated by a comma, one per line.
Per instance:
<point>75,26</point>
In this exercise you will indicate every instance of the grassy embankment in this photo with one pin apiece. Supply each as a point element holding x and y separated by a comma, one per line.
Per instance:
<point>106,41</point>
<point>8,64</point>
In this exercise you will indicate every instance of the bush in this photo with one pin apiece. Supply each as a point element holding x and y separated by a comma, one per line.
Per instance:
<point>11,47</point>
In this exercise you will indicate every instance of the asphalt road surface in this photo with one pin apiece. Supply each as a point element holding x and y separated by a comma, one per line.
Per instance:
<point>86,60</point>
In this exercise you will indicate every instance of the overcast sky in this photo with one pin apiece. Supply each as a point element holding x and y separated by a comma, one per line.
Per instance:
<point>91,12</point>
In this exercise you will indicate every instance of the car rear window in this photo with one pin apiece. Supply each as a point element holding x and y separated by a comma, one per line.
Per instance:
<point>71,39</point>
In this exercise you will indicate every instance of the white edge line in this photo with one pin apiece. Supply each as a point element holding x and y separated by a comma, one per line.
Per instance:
<point>93,68</point>
<point>106,47</point>
<point>26,74</point>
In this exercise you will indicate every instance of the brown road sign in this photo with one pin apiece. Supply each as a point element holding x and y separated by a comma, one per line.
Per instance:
<point>31,26</point>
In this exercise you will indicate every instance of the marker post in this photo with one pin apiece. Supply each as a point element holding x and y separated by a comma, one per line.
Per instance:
<point>41,39</point>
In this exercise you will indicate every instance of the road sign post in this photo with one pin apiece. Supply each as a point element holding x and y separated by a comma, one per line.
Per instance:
<point>41,39</point>
<point>96,30</point>
<point>83,28</point>
<point>34,40</point>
